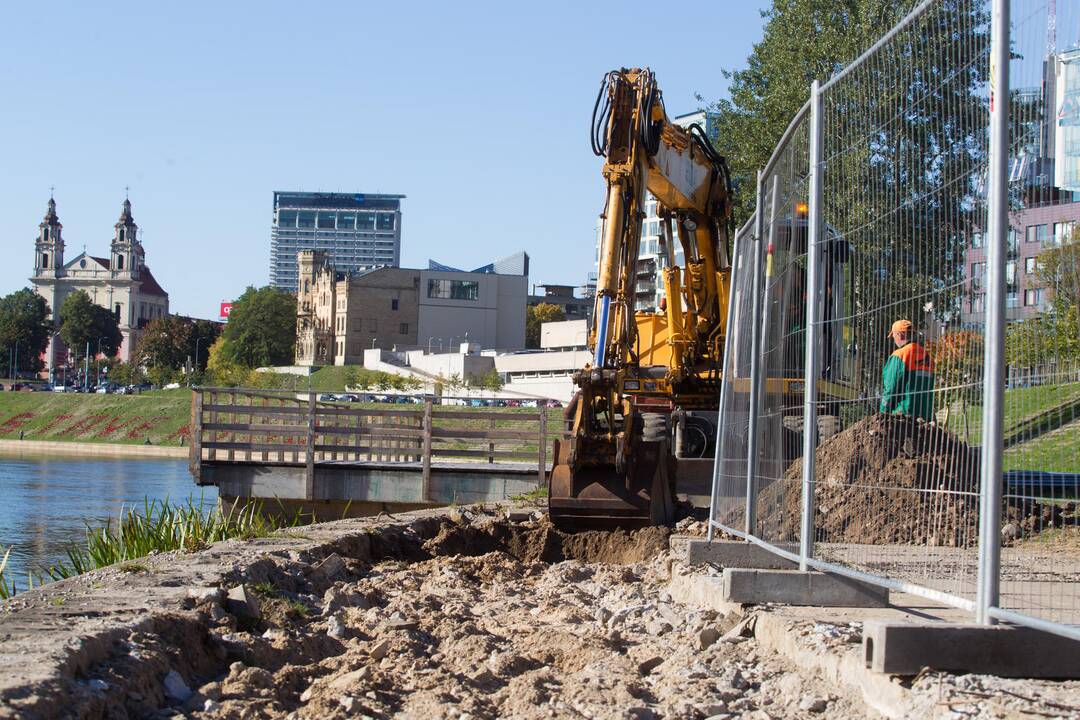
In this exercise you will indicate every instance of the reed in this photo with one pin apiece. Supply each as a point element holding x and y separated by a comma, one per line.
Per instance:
<point>158,526</point>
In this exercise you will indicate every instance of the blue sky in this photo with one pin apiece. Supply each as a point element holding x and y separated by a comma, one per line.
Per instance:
<point>478,112</point>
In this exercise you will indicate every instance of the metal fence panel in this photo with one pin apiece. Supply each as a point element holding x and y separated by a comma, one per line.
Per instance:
<point>1040,560</point>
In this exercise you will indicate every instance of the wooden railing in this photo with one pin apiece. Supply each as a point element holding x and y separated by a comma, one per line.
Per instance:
<point>289,428</point>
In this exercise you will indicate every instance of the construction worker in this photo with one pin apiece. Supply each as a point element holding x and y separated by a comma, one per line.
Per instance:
<point>908,377</point>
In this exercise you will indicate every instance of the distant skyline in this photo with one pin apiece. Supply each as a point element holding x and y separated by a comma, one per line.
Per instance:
<point>477,112</point>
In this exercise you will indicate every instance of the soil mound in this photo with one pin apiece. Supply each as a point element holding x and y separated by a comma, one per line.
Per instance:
<point>888,479</point>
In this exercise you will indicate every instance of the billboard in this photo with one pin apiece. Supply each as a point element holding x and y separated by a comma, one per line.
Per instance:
<point>226,308</point>
<point>1067,122</point>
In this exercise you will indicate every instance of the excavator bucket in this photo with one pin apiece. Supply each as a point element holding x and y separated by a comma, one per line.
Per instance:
<point>599,497</point>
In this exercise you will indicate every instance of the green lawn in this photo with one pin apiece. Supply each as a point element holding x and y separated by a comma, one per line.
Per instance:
<point>1056,451</point>
<point>160,416</point>
<point>1020,404</point>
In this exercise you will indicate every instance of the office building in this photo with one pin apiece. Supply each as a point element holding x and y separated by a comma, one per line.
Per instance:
<point>342,314</point>
<point>356,231</point>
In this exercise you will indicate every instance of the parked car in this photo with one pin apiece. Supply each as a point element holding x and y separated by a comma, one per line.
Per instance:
<point>327,397</point>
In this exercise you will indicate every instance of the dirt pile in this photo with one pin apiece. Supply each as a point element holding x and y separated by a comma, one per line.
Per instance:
<point>889,480</point>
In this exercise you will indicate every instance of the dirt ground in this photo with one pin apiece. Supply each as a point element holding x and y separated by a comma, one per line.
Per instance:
<point>889,480</point>
<point>485,618</point>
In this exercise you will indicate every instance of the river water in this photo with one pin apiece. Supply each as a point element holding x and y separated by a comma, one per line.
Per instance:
<point>47,501</point>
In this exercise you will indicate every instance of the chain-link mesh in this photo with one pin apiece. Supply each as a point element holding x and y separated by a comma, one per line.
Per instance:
<point>904,161</point>
<point>1040,558</point>
<point>785,188</point>
<point>729,487</point>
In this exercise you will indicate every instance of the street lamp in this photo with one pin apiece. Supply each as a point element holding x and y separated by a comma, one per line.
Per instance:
<point>197,341</point>
<point>98,362</point>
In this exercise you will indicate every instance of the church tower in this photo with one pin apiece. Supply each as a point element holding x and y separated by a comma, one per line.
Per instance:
<point>127,253</point>
<point>49,255</point>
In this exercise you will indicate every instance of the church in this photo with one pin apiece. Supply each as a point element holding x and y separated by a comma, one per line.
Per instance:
<point>121,282</point>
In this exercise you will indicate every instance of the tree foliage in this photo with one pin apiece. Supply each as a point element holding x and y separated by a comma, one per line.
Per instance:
<point>24,321</point>
<point>537,315</point>
<point>82,324</point>
<point>262,328</point>
<point>164,343</point>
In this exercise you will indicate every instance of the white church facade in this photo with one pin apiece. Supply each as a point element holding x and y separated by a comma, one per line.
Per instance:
<point>120,282</point>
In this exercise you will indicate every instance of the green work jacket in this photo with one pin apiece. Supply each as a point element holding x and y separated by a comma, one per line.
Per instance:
<point>908,379</point>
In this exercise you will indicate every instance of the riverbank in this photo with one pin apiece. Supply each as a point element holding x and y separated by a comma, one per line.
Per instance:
<point>161,416</point>
<point>69,448</point>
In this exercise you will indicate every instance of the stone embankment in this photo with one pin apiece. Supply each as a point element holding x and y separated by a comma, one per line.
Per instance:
<point>471,613</point>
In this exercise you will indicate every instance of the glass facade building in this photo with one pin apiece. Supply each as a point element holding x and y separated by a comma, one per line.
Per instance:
<point>357,231</point>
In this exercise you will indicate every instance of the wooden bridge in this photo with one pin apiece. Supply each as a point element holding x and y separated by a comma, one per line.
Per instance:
<point>289,447</point>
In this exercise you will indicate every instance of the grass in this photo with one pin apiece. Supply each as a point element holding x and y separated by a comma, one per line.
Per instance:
<point>161,416</point>
<point>1056,451</point>
<point>1020,405</point>
<point>159,527</point>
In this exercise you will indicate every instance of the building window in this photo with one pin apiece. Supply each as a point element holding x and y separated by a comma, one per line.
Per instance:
<point>287,218</point>
<point>1029,265</point>
<point>976,240</point>
<point>305,219</point>
<point>45,260</point>
<point>1033,297</point>
<point>121,236</point>
<point>116,312</point>
<point>977,272</point>
<point>346,221</point>
<point>1010,273</point>
<point>977,303</point>
<point>403,328</point>
<point>453,289</point>
<point>365,221</point>
<point>119,262</point>
<point>1012,300</point>
<point>1035,233</point>
<point>1062,232</point>
<point>386,221</point>
<point>326,220</point>
<point>394,304</point>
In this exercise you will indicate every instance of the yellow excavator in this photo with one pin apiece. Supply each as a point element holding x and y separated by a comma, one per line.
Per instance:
<point>650,370</point>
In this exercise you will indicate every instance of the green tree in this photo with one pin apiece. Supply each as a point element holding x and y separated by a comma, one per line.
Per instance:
<point>164,345</point>
<point>490,380</point>
<point>24,331</point>
<point>83,324</point>
<point>204,333</point>
<point>223,372</point>
<point>262,328</point>
<point>537,315</point>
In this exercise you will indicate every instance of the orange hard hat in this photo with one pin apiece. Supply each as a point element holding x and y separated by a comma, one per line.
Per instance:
<point>903,326</point>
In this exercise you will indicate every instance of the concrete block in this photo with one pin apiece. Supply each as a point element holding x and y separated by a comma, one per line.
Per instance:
<point>734,554</point>
<point>792,587</point>
<point>902,648</point>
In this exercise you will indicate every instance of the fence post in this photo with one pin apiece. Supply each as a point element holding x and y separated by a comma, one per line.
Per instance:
<point>755,366</point>
<point>812,330</point>
<point>425,473</point>
<point>309,472</point>
<point>195,449</point>
<point>541,469</point>
<point>994,341</point>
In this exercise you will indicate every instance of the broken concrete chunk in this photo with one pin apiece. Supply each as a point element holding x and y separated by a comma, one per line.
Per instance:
<point>813,704</point>
<point>330,567</point>
<point>203,594</point>
<point>243,604</point>
<point>706,638</point>
<point>175,687</point>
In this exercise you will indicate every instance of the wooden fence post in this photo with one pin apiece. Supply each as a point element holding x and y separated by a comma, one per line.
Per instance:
<point>309,474</point>
<point>541,470</point>
<point>195,448</point>
<point>425,476</point>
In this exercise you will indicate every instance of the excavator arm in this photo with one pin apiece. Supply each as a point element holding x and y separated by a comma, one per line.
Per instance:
<point>615,465</point>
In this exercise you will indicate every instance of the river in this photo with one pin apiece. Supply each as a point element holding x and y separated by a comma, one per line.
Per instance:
<point>47,501</point>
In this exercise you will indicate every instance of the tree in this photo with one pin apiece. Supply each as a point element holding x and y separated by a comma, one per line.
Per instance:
<point>490,380</point>
<point>204,333</point>
<point>262,328</point>
<point>24,331</point>
<point>905,139</point>
<point>958,362</point>
<point>83,324</point>
<point>222,371</point>
<point>164,344</point>
<point>1059,270</point>
<point>537,315</point>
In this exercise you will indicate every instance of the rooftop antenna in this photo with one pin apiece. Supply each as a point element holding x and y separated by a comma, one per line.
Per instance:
<point>52,189</point>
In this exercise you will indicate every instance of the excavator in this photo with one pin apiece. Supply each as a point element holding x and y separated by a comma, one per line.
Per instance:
<point>650,371</point>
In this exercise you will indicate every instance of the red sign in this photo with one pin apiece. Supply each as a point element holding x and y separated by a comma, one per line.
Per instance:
<point>226,308</point>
